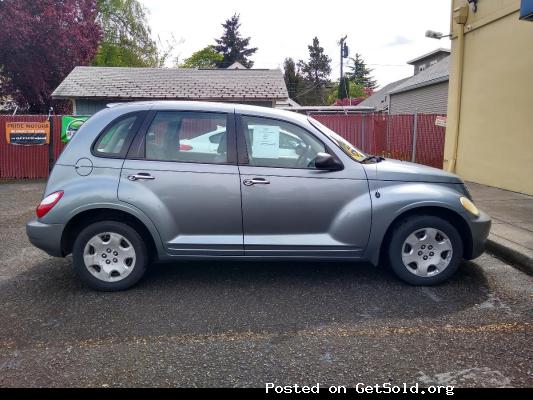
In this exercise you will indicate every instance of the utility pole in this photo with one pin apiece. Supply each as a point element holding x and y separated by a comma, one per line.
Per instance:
<point>344,54</point>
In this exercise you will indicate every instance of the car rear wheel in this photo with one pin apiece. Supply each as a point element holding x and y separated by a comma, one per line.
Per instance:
<point>109,256</point>
<point>425,250</point>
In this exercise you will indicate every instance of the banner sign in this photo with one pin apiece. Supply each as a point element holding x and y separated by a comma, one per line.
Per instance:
<point>28,133</point>
<point>70,125</point>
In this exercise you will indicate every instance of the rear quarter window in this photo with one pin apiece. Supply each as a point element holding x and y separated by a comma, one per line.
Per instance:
<point>117,136</point>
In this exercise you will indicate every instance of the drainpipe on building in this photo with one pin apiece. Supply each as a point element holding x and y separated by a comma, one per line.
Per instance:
<point>460,16</point>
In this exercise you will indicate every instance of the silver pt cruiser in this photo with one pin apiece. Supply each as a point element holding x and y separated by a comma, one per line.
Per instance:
<point>188,180</point>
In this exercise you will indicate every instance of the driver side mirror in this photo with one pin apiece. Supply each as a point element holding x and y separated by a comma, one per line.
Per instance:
<point>327,162</point>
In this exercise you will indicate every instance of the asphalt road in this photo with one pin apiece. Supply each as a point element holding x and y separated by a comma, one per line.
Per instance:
<point>246,324</point>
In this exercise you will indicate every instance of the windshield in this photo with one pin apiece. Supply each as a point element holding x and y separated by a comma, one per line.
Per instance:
<point>352,151</point>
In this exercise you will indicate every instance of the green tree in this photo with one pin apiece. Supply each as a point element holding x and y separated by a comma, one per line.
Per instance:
<point>127,39</point>
<point>316,72</point>
<point>293,79</point>
<point>233,46</point>
<point>343,88</point>
<point>207,57</point>
<point>360,74</point>
<point>353,91</point>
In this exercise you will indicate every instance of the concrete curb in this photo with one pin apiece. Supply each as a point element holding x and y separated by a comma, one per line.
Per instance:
<point>516,258</point>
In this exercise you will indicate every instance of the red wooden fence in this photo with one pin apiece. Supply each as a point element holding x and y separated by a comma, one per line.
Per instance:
<point>381,134</point>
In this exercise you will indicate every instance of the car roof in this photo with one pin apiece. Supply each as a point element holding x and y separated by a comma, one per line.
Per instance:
<point>209,106</point>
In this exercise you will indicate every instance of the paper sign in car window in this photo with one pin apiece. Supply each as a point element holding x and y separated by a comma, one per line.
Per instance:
<point>352,152</point>
<point>265,142</point>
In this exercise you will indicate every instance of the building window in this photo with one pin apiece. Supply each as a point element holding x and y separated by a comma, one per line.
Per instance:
<point>421,67</point>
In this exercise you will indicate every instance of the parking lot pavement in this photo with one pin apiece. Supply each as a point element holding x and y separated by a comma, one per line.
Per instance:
<point>246,324</point>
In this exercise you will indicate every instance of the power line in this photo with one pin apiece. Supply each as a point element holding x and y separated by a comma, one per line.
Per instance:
<point>313,87</point>
<point>389,65</point>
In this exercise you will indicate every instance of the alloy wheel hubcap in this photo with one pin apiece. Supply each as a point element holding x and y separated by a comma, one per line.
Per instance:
<point>109,257</point>
<point>427,252</point>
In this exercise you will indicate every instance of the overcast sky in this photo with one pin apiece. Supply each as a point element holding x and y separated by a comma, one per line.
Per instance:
<point>386,32</point>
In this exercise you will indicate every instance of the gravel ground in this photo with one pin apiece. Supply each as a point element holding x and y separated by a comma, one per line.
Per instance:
<point>245,324</point>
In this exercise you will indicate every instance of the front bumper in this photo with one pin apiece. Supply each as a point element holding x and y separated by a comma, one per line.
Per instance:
<point>480,228</point>
<point>46,237</point>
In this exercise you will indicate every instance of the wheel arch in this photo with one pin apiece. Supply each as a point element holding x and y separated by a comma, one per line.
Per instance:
<point>86,217</point>
<point>445,213</point>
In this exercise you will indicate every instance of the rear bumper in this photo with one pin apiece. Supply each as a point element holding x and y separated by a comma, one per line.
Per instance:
<point>480,228</point>
<point>46,237</point>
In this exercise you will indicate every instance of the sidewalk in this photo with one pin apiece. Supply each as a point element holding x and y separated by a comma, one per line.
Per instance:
<point>511,236</point>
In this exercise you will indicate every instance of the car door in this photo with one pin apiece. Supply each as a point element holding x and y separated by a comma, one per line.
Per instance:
<point>292,209</point>
<point>191,194</point>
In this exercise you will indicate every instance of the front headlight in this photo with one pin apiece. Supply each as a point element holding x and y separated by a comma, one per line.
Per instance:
<point>469,206</point>
<point>467,192</point>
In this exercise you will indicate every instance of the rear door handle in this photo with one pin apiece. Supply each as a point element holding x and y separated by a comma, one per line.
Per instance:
<point>255,181</point>
<point>140,175</point>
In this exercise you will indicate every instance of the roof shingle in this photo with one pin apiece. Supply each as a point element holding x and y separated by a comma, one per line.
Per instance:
<point>437,73</point>
<point>378,100</point>
<point>174,83</point>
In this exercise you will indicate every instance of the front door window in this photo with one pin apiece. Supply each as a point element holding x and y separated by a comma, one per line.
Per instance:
<point>278,144</point>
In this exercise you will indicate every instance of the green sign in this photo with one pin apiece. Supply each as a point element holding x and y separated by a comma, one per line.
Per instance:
<point>70,125</point>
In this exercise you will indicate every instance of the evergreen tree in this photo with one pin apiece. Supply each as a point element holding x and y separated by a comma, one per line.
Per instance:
<point>293,80</point>
<point>360,74</point>
<point>343,89</point>
<point>232,46</point>
<point>316,72</point>
<point>318,67</point>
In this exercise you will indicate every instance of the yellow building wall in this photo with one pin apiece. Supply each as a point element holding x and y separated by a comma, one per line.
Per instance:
<point>495,135</point>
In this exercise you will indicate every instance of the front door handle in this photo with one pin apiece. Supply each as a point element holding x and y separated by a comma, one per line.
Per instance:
<point>140,175</point>
<point>255,181</point>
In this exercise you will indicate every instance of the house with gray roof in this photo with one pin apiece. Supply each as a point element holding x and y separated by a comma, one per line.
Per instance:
<point>423,62</point>
<point>90,89</point>
<point>379,100</point>
<point>424,92</point>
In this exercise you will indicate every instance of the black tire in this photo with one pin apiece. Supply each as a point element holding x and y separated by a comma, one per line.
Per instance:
<point>141,255</point>
<point>405,228</point>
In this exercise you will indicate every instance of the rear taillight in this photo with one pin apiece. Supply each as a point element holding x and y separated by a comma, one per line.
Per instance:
<point>185,147</point>
<point>48,203</point>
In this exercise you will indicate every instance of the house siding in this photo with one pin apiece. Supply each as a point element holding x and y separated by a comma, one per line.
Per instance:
<point>427,62</point>
<point>431,99</point>
<point>90,107</point>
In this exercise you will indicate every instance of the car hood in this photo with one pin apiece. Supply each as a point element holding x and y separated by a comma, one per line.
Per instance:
<point>396,170</point>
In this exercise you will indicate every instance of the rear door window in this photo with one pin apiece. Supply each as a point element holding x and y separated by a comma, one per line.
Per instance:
<point>196,137</point>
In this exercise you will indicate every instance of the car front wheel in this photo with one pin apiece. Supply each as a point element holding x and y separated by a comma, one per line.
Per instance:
<point>109,256</point>
<point>425,250</point>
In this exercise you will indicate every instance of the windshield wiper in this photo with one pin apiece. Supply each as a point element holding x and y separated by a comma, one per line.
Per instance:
<point>372,158</point>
